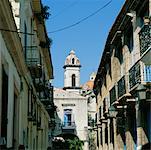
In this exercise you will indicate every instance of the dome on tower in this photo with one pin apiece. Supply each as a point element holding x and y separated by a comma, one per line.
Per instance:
<point>72,59</point>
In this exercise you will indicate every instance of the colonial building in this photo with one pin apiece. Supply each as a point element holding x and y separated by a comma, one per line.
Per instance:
<point>123,81</point>
<point>71,106</point>
<point>25,70</point>
<point>87,91</point>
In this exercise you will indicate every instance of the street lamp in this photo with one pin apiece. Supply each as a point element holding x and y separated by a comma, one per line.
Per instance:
<point>141,91</point>
<point>112,112</point>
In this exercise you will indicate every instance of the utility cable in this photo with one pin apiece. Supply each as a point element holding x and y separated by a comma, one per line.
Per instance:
<point>65,9</point>
<point>80,21</point>
<point>7,30</point>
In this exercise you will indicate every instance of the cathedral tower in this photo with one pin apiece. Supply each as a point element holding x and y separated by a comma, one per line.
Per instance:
<point>72,73</point>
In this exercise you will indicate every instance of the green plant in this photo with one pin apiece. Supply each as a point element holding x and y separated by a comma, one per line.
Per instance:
<point>45,12</point>
<point>75,144</point>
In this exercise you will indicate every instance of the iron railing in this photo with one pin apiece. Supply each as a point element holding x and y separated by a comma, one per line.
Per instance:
<point>33,61</point>
<point>134,75</point>
<point>32,55</point>
<point>145,38</point>
<point>121,87</point>
<point>113,95</point>
<point>68,124</point>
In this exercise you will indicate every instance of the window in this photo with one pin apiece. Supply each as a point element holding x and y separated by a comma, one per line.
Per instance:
<point>73,80</point>
<point>128,38</point>
<point>67,117</point>
<point>73,60</point>
<point>106,134</point>
<point>100,112</point>
<point>118,51</point>
<point>4,109</point>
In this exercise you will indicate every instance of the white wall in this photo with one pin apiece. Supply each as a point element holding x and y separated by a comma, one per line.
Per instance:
<point>79,110</point>
<point>13,80</point>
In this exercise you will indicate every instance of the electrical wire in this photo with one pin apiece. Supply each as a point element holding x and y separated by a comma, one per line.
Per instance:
<point>80,21</point>
<point>65,9</point>
<point>7,30</point>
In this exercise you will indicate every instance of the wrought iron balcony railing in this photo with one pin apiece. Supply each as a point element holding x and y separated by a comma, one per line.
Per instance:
<point>105,106</point>
<point>121,87</point>
<point>33,61</point>
<point>113,95</point>
<point>134,75</point>
<point>39,84</point>
<point>145,38</point>
<point>68,124</point>
<point>139,74</point>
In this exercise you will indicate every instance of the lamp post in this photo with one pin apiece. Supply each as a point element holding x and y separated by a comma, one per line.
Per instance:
<point>141,92</point>
<point>112,112</point>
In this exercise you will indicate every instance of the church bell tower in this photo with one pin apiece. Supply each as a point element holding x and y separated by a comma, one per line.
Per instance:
<point>72,73</point>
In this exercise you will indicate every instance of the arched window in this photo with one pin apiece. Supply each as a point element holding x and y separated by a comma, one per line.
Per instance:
<point>73,80</point>
<point>72,60</point>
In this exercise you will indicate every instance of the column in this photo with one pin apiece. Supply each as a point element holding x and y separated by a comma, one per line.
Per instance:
<point>114,131</point>
<point>109,130</point>
<point>138,125</point>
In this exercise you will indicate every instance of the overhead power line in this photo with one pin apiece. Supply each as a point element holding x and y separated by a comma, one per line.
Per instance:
<point>7,30</point>
<point>65,9</point>
<point>80,21</point>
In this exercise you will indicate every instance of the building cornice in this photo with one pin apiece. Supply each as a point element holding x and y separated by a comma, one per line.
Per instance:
<point>72,88</point>
<point>72,66</point>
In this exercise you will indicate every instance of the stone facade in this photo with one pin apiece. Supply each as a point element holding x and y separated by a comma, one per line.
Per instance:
<point>122,84</point>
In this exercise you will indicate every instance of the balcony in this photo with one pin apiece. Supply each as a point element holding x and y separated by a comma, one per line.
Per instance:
<point>134,75</point>
<point>44,97</point>
<point>52,123</point>
<point>33,61</point>
<point>39,84</point>
<point>121,87</point>
<point>51,109</point>
<point>145,38</point>
<point>68,125</point>
<point>139,74</point>
<point>113,95</point>
<point>105,106</point>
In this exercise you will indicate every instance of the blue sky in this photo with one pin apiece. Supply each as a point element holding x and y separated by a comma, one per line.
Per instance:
<point>87,38</point>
